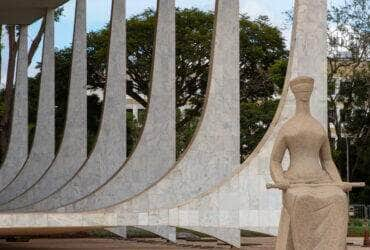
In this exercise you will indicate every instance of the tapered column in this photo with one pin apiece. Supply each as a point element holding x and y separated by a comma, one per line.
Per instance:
<point>309,54</point>
<point>73,149</point>
<point>155,152</point>
<point>43,146</point>
<point>243,201</point>
<point>109,152</point>
<point>17,151</point>
<point>214,152</point>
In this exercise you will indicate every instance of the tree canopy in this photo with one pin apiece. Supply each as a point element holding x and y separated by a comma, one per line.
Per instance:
<point>349,90</point>
<point>262,69</point>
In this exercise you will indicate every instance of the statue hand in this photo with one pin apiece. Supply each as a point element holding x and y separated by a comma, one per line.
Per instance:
<point>282,184</point>
<point>345,186</point>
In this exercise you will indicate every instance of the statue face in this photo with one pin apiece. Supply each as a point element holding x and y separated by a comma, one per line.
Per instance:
<point>302,91</point>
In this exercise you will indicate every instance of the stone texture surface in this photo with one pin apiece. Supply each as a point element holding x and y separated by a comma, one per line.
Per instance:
<point>17,151</point>
<point>39,221</point>
<point>73,149</point>
<point>109,152</point>
<point>43,146</point>
<point>155,152</point>
<point>215,146</point>
<point>213,193</point>
<point>214,152</point>
<point>314,217</point>
<point>243,201</point>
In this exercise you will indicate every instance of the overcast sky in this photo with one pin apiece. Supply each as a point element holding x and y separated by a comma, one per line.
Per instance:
<point>98,14</point>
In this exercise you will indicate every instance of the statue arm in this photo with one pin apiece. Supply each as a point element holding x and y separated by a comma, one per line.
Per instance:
<point>327,162</point>
<point>276,162</point>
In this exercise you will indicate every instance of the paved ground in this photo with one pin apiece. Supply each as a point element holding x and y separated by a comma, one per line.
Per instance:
<point>260,243</point>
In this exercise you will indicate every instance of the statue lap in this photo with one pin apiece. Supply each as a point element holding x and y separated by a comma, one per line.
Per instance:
<point>313,218</point>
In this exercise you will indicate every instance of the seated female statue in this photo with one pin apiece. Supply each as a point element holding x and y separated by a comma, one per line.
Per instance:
<point>315,204</point>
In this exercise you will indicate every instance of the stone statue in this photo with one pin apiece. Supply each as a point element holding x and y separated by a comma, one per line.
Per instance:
<point>314,214</point>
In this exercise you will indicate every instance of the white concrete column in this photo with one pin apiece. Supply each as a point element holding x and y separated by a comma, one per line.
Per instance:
<point>43,145</point>
<point>17,151</point>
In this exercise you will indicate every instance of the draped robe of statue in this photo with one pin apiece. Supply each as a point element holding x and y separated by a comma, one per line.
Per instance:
<point>314,213</point>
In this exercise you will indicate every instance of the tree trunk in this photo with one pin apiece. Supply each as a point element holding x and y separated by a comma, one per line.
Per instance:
<point>36,42</point>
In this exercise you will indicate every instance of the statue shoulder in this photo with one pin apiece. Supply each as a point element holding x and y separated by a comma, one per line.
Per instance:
<point>285,128</point>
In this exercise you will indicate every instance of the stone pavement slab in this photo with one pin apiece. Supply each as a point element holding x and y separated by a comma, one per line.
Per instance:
<point>250,243</point>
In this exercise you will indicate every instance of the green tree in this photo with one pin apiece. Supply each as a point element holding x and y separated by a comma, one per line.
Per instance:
<point>349,90</point>
<point>262,68</point>
<point>261,46</point>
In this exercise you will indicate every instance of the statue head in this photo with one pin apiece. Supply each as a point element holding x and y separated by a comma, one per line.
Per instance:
<point>302,88</point>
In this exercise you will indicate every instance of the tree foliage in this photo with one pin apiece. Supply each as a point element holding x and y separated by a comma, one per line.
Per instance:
<point>262,61</point>
<point>349,89</point>
<point>262,69</point>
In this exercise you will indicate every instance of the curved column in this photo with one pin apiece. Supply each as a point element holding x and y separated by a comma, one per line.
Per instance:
<point>73,150</point>
<point>43,147</point>
<point>213,155</point>
<point>17,151</point>
<point>243,200</point>
<point>109,152</point>
<point>155,153</point>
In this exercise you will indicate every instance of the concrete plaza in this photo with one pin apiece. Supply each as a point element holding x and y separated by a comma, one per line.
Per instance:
<point>250,243</point>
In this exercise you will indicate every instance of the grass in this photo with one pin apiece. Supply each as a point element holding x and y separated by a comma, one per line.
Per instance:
<point>356,227</point>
